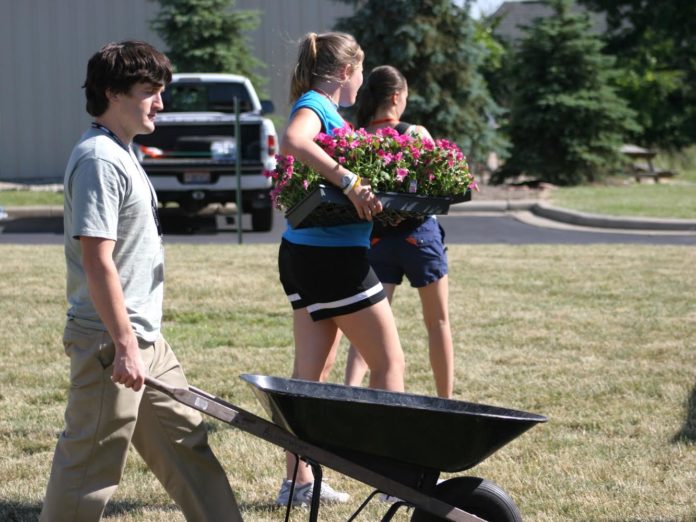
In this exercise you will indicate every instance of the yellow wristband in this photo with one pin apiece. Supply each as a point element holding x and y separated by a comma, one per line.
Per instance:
<point>355,183</point>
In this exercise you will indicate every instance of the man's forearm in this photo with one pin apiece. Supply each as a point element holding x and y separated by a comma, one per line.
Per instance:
<point>106,291</point>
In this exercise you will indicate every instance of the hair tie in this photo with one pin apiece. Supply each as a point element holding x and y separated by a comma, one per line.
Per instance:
<point>313,46</point>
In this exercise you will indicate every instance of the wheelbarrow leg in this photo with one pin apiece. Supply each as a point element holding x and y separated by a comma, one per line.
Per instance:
<point>316,491</point>
<point>362,506</point>
<point>288,507</point>
<point>393,509</point>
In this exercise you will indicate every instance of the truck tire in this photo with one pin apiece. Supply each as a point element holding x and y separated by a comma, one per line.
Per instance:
<point>262,219</point>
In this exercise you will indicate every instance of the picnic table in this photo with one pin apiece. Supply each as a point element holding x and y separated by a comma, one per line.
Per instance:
<point>641,166</point>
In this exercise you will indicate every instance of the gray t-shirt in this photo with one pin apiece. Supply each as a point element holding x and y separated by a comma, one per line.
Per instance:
<point>108,195</point>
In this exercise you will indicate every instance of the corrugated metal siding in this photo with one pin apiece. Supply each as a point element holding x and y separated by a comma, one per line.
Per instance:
<point>45,45</point>
<point>44,48</point>
<point>275,42</point>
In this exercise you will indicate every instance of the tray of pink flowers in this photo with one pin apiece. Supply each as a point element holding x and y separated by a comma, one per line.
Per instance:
<point>412,176</point>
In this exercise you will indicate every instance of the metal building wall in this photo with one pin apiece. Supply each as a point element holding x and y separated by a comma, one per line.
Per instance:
<point>44,48</point>
<point>45,45</point>
<point>275,42</point>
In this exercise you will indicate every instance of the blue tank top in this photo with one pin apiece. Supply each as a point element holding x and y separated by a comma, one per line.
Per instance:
<point>356,234</point>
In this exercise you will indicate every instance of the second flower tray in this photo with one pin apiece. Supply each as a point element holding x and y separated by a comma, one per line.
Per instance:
<point>327,206</point>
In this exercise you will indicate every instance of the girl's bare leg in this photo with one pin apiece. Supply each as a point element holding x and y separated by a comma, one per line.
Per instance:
<point>316,343</point>
<point>434,299</point>
<point>356,367</point>
<point>373,331</point>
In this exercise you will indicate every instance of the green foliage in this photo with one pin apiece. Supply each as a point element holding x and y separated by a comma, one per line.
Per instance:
<point>566,120</point>
<point>434,43</point>
<point>208,36</point>
<point>654,44</point>
<point>496,68</point>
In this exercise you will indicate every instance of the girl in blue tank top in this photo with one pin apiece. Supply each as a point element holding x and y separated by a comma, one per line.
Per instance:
<point>324,270</point>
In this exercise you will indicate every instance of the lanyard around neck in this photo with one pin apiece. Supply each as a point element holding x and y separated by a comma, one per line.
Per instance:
<point>153,198</point>
<point>111,135</point>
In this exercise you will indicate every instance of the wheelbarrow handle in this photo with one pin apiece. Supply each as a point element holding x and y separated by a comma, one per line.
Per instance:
<point>196,399</point>
<point>159,385</point>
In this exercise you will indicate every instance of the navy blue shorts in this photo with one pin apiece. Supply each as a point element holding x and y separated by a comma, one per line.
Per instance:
<point>328,281</point>
<point>420,255</point>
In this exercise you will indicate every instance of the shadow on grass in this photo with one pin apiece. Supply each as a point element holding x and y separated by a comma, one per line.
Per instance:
<point>20,512</point>
<point>264,509</point>
<point>123,507</point>
<point>687,433</point>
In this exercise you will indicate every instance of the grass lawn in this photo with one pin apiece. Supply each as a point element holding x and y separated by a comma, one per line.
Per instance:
<point>598,338</point>
<point>23,198</point>
<point>673,200</point>
<point>623,197</point>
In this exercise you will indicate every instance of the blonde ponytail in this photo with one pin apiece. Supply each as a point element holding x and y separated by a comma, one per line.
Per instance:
<point>321,56</point>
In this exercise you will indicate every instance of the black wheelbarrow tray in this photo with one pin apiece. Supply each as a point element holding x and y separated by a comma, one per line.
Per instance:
<point>398,443</point>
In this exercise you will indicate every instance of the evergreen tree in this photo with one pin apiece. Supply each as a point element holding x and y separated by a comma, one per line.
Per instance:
<point>434,44</point>
<point>566,120</point>
<point>654,43</point>
<point>496,67</point>
<point>208,36</point>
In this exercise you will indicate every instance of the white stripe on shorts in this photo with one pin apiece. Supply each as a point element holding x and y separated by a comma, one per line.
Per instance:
<point>294,297</point>
<point>346,301</point>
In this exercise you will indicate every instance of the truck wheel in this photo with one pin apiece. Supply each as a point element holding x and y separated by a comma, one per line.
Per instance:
<point>477,497</point>
<point>262,219</point>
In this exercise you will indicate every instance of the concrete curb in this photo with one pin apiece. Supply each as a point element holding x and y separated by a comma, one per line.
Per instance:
<point>572,217</point>
<point>600,221</point>
<point>497,205</point>
<point>34,212</point>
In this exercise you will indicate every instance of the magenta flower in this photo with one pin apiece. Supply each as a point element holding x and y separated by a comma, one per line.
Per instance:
<point>387,157</point>
<point>384,159</point>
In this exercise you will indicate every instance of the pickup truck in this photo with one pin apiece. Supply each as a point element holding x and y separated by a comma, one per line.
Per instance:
<point>191,156</point>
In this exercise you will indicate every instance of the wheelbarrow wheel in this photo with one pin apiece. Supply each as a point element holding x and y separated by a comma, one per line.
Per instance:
<point>477,497</point>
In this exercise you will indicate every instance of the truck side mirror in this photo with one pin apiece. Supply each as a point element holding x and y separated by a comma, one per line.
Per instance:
<point>267,107</point>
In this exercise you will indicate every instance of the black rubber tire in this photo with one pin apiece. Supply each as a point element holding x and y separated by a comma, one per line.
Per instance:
<point>262,219</point>
<point>477,497</point>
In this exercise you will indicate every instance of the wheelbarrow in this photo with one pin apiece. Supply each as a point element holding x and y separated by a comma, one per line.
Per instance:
<point>397,443</point>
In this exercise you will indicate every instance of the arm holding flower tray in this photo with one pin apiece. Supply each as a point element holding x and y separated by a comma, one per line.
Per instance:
<point>298,142</point>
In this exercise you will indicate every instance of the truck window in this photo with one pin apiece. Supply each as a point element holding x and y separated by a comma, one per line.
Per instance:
<point>208,97</point>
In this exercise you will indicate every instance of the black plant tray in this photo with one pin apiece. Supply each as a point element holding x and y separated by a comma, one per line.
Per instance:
<point>327,206</point>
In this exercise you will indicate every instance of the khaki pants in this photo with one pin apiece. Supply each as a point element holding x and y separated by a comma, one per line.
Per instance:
<point>102,419</point>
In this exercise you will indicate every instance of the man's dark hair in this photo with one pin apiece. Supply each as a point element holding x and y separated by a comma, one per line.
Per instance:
<point>119,66</point>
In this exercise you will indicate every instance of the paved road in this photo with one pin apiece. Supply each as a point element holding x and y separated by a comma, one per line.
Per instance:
<point>461,228</point>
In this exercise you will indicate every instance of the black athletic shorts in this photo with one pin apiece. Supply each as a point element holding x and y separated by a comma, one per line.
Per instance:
<point>328,281</point>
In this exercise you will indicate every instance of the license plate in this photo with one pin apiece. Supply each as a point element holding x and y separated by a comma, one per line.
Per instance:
<point>196,177</point>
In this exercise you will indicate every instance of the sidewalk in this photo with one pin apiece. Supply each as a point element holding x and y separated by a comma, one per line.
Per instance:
<point>491,199</point>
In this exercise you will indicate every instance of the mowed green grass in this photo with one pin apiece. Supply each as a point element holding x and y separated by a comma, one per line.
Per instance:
<point>598,338</point>
<point>24,198</point>
<point>673,200</point>
<point>622,196</point>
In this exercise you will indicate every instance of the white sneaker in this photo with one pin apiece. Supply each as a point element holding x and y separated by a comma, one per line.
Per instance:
<point>303,494</point>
